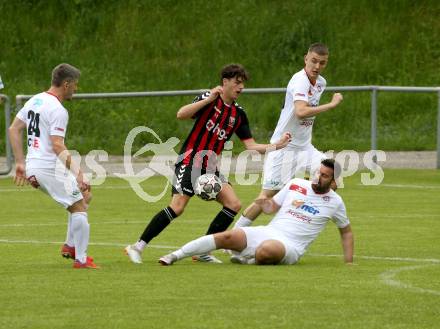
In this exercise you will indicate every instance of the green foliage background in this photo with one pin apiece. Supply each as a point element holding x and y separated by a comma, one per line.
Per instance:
<point>171,45</point>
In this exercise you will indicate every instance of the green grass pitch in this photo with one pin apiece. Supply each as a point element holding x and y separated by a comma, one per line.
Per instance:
<point>394,284</point>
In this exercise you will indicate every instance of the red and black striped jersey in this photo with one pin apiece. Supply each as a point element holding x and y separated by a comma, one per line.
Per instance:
<point>215,124</point>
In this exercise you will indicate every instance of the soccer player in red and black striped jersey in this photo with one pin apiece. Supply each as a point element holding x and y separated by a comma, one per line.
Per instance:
<point>217,117</point>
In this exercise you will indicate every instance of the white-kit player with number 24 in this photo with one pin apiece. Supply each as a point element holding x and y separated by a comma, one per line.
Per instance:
<point>45,119</point>
<point>297,117</point>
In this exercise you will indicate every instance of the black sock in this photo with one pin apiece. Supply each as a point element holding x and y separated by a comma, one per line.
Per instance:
<point>221,222</point>
<point>158,224</point>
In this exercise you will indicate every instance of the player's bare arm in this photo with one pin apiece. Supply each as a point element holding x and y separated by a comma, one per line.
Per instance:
<point>347,243</point>
<point>66,158</point>
<point>251,145</point>
<point>187,111</point>
<point>304,110</point>
<point>267,205</point>
<point>15,136</point>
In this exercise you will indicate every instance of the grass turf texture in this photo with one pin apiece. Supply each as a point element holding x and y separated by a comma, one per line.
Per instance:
<point>398,219</point>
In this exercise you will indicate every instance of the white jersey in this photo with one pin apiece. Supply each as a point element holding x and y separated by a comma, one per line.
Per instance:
<point>44,116</point>
<point>304,213</point>
<point>1,83</point>
<point>299,88</point>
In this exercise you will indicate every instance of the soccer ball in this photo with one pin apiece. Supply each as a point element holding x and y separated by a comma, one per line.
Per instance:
<point>208,186</point>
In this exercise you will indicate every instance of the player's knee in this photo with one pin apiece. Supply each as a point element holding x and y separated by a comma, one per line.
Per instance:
<point>269,253</point>
<point>234,205</point>
<point>223,239</point>
<point>79,206</point>
<point>178,203</point>
<point>178,208</point>
<point>87,197</point>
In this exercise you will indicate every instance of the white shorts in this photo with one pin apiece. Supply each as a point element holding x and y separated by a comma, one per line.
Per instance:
<point>255,235</point>
<point>282,165</point>
<point>60,185</point>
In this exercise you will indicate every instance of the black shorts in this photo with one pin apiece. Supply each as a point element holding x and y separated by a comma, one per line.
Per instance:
<point>185,177</point>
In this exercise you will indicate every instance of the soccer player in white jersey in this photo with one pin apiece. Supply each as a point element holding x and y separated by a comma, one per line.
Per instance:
<point>302,209</point>
<point>45,120</point>
<point>301,105</point>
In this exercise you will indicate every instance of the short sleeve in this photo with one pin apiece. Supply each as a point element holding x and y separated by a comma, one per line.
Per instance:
<point>58,123</point>
<point>199,98</point>
<point>299,88</point>
<point>1,84</point>
<point>340,217</point>
<point>281,195</point>
<point>243,131</point>
<point>22,114</point>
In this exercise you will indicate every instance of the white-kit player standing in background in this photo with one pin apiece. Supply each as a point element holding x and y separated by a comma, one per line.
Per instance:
<point>45,119</point>
<point>297,117</point>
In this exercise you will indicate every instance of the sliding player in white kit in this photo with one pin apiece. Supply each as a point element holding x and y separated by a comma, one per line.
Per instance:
<point>303,208</point>
<point>45,120</point>
<point>297,117</point>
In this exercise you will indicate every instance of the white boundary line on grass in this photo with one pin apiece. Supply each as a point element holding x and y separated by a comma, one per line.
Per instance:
<point>407,186</point>
<point>63,222</point>
<point>29,189</point>
<point>107,244</point>
<point>394,259</point>
<point>388,277</point>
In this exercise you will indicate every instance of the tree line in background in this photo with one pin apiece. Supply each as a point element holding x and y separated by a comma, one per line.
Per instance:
<point>172,45</point>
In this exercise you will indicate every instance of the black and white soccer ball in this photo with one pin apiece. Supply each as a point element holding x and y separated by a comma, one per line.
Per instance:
<point>208,186</point>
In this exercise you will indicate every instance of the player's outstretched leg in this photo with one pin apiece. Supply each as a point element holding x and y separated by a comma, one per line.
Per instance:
<point>234,240</point>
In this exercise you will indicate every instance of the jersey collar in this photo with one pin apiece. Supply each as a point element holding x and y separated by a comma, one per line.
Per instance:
<point>48,92</point>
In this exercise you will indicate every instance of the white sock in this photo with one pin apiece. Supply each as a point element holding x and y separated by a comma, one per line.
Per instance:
<point>81,232</point>
<point>140,245</point>
<point>69,236</point>
<point>243,222</point>
<point>198,246</point>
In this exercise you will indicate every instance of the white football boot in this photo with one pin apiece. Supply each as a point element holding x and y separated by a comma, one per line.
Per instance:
<point>133,254</point>
<point>167,259</point>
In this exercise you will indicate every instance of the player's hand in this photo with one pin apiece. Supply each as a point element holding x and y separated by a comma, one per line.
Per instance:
<point>265,204</point>
<point>82,183</point>
<point>284,140</point>
<point>20,175</point>
<point>215,92</point>
<point>336,99</point>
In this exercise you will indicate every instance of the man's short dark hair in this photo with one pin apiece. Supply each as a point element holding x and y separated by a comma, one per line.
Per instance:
<point>318,48</point>
<point>234,71</point>
<point>64,72</point>
<point>331,163</point>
